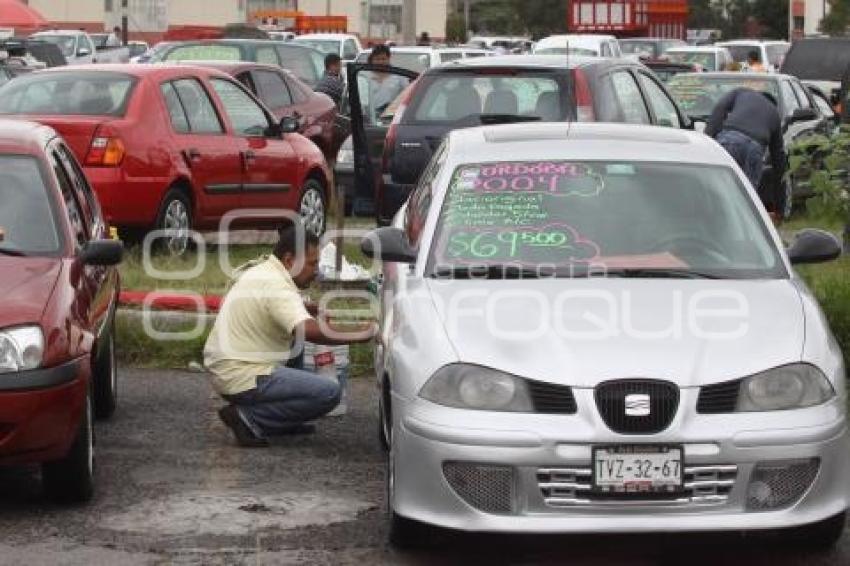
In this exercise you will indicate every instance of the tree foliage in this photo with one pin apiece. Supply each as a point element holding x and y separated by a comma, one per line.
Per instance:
<point>838,19</point>
<point>537,18</point>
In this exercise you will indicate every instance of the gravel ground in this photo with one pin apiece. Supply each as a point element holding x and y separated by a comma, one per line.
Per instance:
<point>173,489</point>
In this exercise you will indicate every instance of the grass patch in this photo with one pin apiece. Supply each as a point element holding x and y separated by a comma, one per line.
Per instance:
<point>830,282</point>
<point>136,348</point>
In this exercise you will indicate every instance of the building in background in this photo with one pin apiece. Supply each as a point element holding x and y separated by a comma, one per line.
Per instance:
<point>806,16</point>
<point>629,18</point>
<point>371,19</point>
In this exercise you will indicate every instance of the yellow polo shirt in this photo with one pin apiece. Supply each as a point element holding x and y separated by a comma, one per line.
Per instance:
<point>253,333</point>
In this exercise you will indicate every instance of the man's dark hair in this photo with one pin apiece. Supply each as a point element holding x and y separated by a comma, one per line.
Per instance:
<point>770,97</point>
<point>753,56</point>
<point>332,59</point>
<point>117,29</point>
<point>293,234</point>
<point>380,50</point>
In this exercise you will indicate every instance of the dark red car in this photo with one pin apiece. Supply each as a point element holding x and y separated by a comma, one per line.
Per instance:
<point>285,95</point>
<point>58,292</point>
<point>175,147</point>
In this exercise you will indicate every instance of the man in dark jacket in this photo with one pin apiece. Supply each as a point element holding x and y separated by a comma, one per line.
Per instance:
<point>331,82</point>
<point>747,123</point>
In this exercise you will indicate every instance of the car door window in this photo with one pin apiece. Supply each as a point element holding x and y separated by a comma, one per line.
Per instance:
<point>789,98</point>
<point>246,116</point>
<point>89,203</point>
<point>605,50</point>
<point>176,113</point>
<point>663,108</point>
<point>267,56</point>
<point>246,79</point>
<point>802,97</point>
<point>272,90</point>
<point>199,109</point>
<point>349,50</point>
<point>422,197</point>
<point>75,213</point>
<point>297,92</point>
<point>631,102</point>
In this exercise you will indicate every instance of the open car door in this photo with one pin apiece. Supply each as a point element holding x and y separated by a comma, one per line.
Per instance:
<point>374,94</point>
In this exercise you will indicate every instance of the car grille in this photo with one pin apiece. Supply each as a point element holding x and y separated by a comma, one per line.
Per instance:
<point>703,485</point>
<point>489,488</point>
<point>553,399</point>
<point>719,398</point>
<point>663,403</point>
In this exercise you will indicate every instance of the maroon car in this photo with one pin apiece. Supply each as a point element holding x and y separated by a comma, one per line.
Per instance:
<point>285,95</point>
<point>58,292</point>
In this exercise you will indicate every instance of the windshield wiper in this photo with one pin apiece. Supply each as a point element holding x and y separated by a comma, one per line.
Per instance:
<point>506,118</point>
<point>487,272</point>
<point>655,273</point>
<point>12,252</point>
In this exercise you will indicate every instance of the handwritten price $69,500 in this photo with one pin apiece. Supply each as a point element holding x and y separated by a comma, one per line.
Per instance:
<point>505,244</point>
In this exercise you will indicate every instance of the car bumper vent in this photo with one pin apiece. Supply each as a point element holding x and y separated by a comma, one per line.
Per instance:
<point>719,398</point>
<point>656,416</point>
<point>488,488</point>
<point>774,485</point>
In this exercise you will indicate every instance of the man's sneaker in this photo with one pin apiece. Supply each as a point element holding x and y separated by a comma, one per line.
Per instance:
<point>229,415</point>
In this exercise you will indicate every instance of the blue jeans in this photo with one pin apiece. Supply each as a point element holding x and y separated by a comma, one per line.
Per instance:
<point>287,398</point>
<point>747,153</point>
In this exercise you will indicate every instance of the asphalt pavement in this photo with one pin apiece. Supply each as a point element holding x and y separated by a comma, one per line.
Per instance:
<point>172,488</point>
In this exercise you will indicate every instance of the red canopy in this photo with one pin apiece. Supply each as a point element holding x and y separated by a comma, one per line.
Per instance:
<point>14,14</point>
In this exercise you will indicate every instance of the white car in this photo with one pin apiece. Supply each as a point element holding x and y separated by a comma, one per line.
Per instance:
<point>345,45</point>
<point>580,44</point>
<point>595,328</point>
<point>771,53</point>
<point>422,58</point>
<point>77,47</point>
<point>707,58</point>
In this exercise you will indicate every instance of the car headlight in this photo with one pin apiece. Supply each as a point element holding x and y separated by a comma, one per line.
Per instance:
<point>794,386</point>
<point>21,348</point>
<point>474,387</point>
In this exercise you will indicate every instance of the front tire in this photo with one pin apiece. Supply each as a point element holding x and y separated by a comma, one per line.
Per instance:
<point>175,218</point>
<point>312,207</point>
<point>71,479</point>
<point>105,375</point>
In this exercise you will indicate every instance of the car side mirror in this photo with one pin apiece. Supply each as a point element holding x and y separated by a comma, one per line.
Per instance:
<point>803,115</point>
<point>102,252</point>
<point>289,125</point>
<point>814,246</point>
<point>387,244</point>
<point>83,52</point>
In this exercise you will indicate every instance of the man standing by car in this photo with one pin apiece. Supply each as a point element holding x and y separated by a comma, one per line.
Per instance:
<point>747,123</point>
<point>331,82</point>
<point>262,318</point>
<point>383,87</point>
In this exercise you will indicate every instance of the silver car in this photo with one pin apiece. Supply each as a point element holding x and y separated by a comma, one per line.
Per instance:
<point>596,328</point>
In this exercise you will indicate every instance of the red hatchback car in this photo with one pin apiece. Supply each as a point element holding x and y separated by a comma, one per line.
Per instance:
<point>175,147</point>
<point>58,292</point>
<point>285,95</point>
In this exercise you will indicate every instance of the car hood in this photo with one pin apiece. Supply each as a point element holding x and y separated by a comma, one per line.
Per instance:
<point>26,284</point>
<point>583,332</point>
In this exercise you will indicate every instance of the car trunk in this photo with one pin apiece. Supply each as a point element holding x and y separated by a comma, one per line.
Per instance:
<point>77,131</point>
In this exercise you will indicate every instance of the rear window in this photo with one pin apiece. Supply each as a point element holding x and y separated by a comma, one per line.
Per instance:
<point>580,51</point>
<point>208,52</point>
<point>326,46</point>
<point>455,97</point>
<point>306,64</point>
<point>645,48</point>
<point>416,62</point>
<point>706,60</point>
<point>27,222</point>
<point>740,53</point>
<point>698,95</point>
<point>77,93</point>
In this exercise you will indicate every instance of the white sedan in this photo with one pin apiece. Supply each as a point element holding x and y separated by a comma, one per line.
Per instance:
<point>596,328</point>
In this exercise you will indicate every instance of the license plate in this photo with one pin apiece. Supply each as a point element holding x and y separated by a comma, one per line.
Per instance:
<point>637,469</point>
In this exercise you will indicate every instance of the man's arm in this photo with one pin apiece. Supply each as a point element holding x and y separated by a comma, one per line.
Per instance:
<point>718,115</point>
<point>328,334</point>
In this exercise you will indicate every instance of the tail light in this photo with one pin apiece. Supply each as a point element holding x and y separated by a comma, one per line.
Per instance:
<point>106,150</point>
<point>584,98</point>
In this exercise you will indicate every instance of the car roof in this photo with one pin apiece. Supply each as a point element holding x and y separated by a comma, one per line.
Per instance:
<point>23,137</point>
<point>627,39</point>
<point>60,32</point>
<point>744,76</point>
<point>230,67</point>
<point>527,61</point>
<point>696,49</point>
<point>751,42</point>
<point>336,36</point>
<point>582,141</point>
<point>139,71</point>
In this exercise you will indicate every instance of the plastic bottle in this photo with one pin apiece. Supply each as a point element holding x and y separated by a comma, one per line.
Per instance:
<point>325,364</point>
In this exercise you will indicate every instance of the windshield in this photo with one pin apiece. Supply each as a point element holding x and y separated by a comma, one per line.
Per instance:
<point>706,60</point>
<point>458,98</point>
<point>79,93</point>
<point>204,52</point>
<point>326,46</point>
<point>577,217</point>
<point>306,64</point>
<point>27,224</point>
<point>740,53</point>
<point>644,48</point>
<point>567,51</point>
<point>66,43</point>
<point>698,95</point>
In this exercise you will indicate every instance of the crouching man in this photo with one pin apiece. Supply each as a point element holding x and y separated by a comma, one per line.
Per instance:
<point>262,320</point>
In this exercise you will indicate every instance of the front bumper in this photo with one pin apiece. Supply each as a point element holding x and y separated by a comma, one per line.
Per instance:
<point>40,411</point>
<point>724,447</point>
